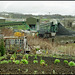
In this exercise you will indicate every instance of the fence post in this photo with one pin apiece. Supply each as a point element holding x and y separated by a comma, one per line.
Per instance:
<point>25,43</point>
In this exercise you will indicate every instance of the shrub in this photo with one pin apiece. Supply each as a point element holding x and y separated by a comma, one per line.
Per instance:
<point>65,61</point>
<point>57,61</point>
<point>71,63</point>
<point>2,48</point>
<point>35,61</point>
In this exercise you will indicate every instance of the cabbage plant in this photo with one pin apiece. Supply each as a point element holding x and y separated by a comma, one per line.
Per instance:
<point>42,62</point>
<point>65,61</point>
<point>4,61</point>
<point>57,61</point>
<point>17,61</point>
<point>35,57</point>
<point>35,61</point>
<point>71,63</point>
<point>9,61</point>
<point>24,61</point>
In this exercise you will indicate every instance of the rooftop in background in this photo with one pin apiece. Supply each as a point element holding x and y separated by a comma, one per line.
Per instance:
<point>2,18</point>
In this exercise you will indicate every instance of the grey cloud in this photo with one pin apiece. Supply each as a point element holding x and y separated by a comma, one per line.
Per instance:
<point>39,7</point>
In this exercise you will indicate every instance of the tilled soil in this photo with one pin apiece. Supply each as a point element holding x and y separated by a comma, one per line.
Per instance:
<point>32,68</point>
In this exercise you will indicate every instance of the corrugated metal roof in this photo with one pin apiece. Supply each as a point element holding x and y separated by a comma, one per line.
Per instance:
<point>2,18</point>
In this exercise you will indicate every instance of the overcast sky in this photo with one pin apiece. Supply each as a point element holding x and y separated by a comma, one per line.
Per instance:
<point>39,7</point>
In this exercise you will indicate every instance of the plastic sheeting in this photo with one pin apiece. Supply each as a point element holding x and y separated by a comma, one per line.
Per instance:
<point>63,31</point>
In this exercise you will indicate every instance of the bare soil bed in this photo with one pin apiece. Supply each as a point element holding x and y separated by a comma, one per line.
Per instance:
<point>36,68</point>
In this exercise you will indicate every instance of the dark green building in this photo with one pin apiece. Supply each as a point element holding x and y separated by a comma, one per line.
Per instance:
<point>33,23</point>
<point>2,20</point>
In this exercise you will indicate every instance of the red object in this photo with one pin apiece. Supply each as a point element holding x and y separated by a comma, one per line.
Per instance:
<point>19,50</point>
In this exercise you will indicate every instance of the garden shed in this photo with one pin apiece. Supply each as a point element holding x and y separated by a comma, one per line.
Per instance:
<point>15,43</point>
<point>33,23</point>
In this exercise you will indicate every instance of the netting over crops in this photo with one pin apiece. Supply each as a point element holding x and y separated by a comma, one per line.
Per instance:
<point>63,31</point>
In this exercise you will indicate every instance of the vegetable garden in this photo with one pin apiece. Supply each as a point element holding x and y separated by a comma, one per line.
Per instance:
<point>54,59</point>
<point>35,64</point>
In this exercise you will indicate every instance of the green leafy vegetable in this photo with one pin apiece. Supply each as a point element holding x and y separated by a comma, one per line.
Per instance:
<point>27,56</point>
<point>71,63</point>
<point>24,61</point>
<point>65,61</point>
<point>42,62</point>
<point>9,61</point>
<point>37,49</point>
<point>35,61</point>
<point>57,61</point>
<point>17,61</point>
<point>4,61</point>
<point>35,57</point>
